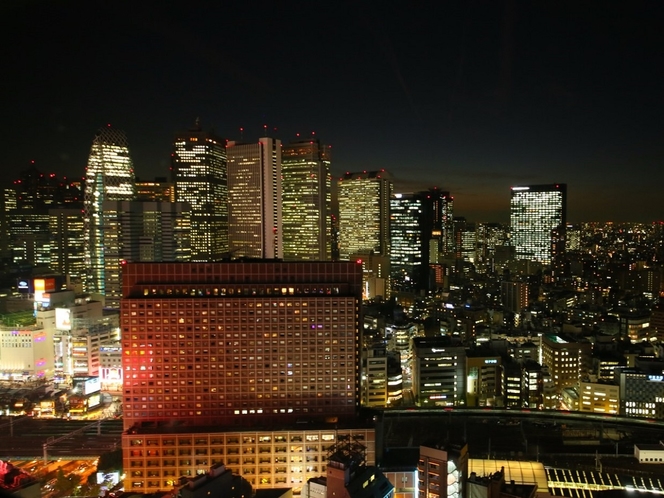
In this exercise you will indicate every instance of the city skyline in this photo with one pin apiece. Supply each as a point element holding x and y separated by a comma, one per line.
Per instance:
<point>472,100</point>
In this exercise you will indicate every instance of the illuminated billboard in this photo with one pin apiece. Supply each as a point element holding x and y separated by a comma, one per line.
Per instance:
<point>94,401</point>
<point>42,286</point>
<point>63,318</point>
<point>108,479</point>
<point>87,385</point>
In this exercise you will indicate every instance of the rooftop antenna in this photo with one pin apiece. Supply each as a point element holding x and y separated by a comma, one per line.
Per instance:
<point>241,133</point>
<point>197,124</point>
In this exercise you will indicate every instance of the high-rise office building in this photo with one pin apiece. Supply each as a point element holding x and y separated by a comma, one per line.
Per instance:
<point>406,255</point>
<point>200,178</point>
<point>109,176</point>
<point>465,237</point>
<point>254,199</point>
<point>7,203</point>
<point>29,237</point>
<point>421,229</point>
<point>35,189</point>
<point>375,274</point>
<point>514,295</point>
<point>25,218</point>
<point>143,231</point>
<point>538,217</point>
<point>491,239</point>
<point>439,209</point>
<point>574,237</point>
<point>306,201</point>
<point>364,213</point>
<point>67,243</point>
<point>158,190</point>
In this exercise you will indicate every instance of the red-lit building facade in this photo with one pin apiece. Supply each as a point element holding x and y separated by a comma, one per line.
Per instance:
<point>236,346</point>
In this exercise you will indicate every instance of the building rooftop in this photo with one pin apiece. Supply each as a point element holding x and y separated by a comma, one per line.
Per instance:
<point>517,471</point>
<point>179,428</point>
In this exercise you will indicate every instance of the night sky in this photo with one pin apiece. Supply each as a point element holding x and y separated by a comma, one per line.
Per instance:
<point>468,96</point>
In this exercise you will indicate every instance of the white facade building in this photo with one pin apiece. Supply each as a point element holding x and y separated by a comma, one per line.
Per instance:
<point>254,199</point>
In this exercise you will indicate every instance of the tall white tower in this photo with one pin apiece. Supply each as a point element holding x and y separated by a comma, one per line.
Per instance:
<point>109,176</point>
<point>254,199</point>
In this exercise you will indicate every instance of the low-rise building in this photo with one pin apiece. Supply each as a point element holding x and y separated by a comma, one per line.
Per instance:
<point>649,453</point>
<point>599,397</point>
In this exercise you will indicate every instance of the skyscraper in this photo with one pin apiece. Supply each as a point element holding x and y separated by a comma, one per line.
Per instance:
<point>30,237</point>
<point>159,189</point>
<point>109,176</point>
<point>406,258</point>
<point>143,231</point>
<point>254,199</point>
<point>536,211</point>
<point>200,178</point>
<point>439,207</point>
<point>307,201</point>
<point>421,230</point>
<point>465,237</point>
<point>491,237</point>
<point>364,213</point>
<point>67,243</point>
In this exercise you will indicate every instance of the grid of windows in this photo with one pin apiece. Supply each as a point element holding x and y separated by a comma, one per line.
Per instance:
<point>233,345</point>
<point>254,199</point>
<point>199,168</point>
<point>67,242</point>
<point>438,373</point>
<point>265,458</point>
<point>109,176</point>
<point>564,360</point>
<point>364,213</point>
<point>535,212</point>
<point>238,353</point>
<point>143,231</point>
<point>405,239</point>
<point>223,358</point>
<point>307,201</point>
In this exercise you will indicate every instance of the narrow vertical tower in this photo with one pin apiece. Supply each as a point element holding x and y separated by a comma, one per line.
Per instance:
<point>109,176</point>
<point>307,201</point>
<point>200,178</point>
<point>254,199</point>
